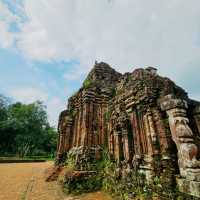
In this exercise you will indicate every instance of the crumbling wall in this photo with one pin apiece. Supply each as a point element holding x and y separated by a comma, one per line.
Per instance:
<point>144,120</point>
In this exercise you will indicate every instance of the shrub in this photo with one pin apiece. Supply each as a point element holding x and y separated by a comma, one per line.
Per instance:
<point>87,83</point>
<point>107,116</point>
<point>70,160</point>
<point>113,93</point>
<point>107,176</point>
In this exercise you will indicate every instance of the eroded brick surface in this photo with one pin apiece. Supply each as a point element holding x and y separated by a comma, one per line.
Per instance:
<point>144,120</point>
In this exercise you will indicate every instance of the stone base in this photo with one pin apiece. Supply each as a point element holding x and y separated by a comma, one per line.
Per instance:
<point>193,174</point>
<point>189,187</point>
<point>84,155</point>
<point>147,168</point>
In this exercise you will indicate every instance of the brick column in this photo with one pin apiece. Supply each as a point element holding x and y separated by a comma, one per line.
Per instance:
<point>183,137</point>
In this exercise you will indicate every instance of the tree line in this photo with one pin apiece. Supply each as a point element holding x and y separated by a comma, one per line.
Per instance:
<point>25,130</point>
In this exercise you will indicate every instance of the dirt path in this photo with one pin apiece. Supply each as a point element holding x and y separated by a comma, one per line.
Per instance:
<point>26,182</point>
<point>90,196</point>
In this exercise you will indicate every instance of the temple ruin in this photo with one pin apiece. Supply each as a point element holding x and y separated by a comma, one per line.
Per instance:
<point>141,118</point>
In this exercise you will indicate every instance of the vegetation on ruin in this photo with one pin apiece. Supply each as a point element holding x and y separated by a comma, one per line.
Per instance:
<point>72,112</point>
<point>25,131</point>
<point>87,83</point>
<point>113,92</point>
<point>109,178</point>
<point>107,116</point>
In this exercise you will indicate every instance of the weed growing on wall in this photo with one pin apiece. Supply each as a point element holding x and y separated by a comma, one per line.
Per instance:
<point>106,175</point>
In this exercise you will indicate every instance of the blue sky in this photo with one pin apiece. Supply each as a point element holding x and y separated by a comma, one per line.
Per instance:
<point>28,81</point>
<point>48,46</point>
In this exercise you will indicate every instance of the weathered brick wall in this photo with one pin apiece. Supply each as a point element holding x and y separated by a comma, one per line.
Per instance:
<point>141,118</point>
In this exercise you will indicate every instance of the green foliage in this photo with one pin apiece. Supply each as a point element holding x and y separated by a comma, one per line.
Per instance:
<point>124,187</point>
<point>43,157</point>
<point>87,83</point>
<point>109,179</point>
<point>78,185</point>
<point>72,112</point>
<point>3,107</point>
<point>107,116</point>
<point>113,94</point>
<point>24,129</point>
<point>70,161</point>
<point>132,185</point>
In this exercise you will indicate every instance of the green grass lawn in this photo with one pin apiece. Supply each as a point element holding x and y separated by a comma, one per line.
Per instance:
<point>47,158</point>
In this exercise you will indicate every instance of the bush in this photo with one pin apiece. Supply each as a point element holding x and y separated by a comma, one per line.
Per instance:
<point>114,92</point>
<point>122,185</point>
<point>87,83</point>
<point>124,188</point>
<point>105,175</point>
<point>70,161</point>
<point>107,116</point>
<point>77,184</point>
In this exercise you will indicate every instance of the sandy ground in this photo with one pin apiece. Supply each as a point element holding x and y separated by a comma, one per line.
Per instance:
<point>25,181</point>
<point>91,196</point>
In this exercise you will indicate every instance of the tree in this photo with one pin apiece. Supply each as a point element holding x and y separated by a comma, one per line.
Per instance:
<point>6,129</point>
<point>3,107</point>
<point>24,129</point>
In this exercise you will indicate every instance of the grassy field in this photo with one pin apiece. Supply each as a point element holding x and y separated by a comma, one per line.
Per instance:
<point>15,159</point>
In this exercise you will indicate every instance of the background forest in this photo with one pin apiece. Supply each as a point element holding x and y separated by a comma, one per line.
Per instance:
<point>25,130</point>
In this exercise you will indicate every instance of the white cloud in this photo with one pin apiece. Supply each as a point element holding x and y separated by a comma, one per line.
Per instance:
<point>54,107</point>
<point>28,94</point>
<point>6,38</point>
<point>73,74</point>
<point>122,33</point>
<point>6,15</point>
<point>125,33</point>
<point>6,19</point>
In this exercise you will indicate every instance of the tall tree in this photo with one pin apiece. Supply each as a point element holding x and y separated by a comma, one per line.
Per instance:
<point>24,129</point>
<point>6,137</point>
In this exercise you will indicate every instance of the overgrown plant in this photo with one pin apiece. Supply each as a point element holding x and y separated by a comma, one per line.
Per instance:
<point>124,187</point>
<point>87,83</point>
<point>70,161</point>
<point>107,176</point>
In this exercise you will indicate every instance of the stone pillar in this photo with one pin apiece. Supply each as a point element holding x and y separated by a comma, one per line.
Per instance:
<point>90,124</point>
<point>118,150</point>
<point>112,147</point>
<point>68,136</point>
<point>136,136</point>
<point>78,129</point>
<point>183,137</point>
<point>196,114</point>
<point>148,158</point>
<point>162,133</point>
<point>84,136</point>
<point>126,147</point>
<point>101,120</point>
<point>148,135</point>
<point>64,130</point>
<point>74,141</point>
<point>81,125</point>
<point>60,147</point>
<point>152,128</point>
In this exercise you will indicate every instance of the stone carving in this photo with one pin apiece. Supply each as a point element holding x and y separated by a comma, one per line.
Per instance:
<point>144,120</point>
<point>183,137</point>
<point>196,113</point>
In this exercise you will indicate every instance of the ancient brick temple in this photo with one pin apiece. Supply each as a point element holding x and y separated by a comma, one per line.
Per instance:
<point>142,118</point>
